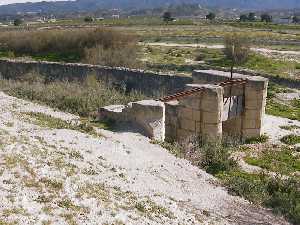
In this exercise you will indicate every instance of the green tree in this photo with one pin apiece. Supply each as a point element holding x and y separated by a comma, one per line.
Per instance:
<point>211,16</point>
<point>18,22</point>
<point>266,18</point>
<point>296,19</point>
<point>167,16</point>
<point>251,16</point>
<point>243,18</point>
<point>88,19</point>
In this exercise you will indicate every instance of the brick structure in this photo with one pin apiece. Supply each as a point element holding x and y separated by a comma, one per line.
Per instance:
<point>211,108</point>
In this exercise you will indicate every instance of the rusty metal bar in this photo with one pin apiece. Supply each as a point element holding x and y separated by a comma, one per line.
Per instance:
<point>193,91</point>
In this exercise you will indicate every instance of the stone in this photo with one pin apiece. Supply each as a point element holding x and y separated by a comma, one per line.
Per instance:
<point>251,133</point>
<point>212,117</point>
<point>187,124</point>
<point>186,113</point>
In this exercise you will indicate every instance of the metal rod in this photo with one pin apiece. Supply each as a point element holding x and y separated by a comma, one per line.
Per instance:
<point>193,91</point>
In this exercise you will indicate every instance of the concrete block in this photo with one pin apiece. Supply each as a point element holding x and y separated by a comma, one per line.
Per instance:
<point>212,117</point>
<point>170,133</point>
<point>212,129</point>
<point>198,127</point>
<point>251,133</point>
<point>196,115</point>
<point>186,113</point>
<point>251,124</point>
<point>187,124</point>
<point>184,134</point>
<point>190,102</point>
<point>250,114</point>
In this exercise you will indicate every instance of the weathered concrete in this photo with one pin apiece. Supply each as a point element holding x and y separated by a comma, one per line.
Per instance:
<point>249,121</point>
<point>148,83</point>
<point>212,113</point>
<point>148,115</point>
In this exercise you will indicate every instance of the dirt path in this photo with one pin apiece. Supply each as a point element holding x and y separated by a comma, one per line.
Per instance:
<point>273,127</point>
<point>291,55</point>
<point>65,176</point>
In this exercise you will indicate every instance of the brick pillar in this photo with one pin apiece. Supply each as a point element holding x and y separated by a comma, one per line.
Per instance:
<point>171,121</point>
<point>255,103</point>
<point>211,111</point>
<point>188,114</point>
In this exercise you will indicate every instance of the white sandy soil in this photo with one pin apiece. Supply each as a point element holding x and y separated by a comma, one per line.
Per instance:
<point>50,176</point>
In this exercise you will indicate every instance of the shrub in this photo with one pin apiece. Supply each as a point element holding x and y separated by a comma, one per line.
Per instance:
<point>88,19</point>
<point>18,22</point>
<point>76,97</point>
<point>215,158</point>
<point>89,45</point>
<point>255,140</point>
<point>282,195</point>
<point>290,139</point>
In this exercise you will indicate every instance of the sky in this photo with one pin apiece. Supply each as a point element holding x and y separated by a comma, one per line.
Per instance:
<point>5,2</point>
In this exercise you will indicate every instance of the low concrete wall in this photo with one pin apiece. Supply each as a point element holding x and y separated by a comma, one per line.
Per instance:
<point>148,83</point>
<point>147,115</point>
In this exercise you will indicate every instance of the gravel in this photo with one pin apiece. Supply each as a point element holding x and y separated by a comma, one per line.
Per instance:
<point>51,176</point>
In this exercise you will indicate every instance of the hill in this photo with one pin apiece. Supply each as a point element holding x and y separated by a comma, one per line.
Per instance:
<point>91,5</point>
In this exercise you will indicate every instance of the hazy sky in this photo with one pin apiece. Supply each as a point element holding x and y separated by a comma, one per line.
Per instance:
<point>4,2</point>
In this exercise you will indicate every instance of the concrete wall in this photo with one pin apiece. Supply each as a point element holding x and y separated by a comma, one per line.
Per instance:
<point>148,116</point>
<point>254,93</point>
<point>148,83</point>
<point>196,115</point>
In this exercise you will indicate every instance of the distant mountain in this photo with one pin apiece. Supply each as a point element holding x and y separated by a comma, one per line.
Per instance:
<point>91,5</point>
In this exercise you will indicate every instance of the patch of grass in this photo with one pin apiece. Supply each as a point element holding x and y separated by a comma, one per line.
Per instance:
<point>282,196</point>
<point>249,186</point>
<point>149,209</point>
<point>103,46</point>
<point>48,121</point>
<point>256,140</point>
<point>274,89</point>
<point>290,127</point>
<point>174,148</point>
<point>52,184</point>
<point>75,97</point>
<point>287,111</point>
<point>282,161</point>
<point>290,139</point>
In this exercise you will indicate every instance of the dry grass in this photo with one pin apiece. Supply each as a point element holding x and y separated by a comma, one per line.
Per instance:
<point>79,98</point>
<point>98,46</point>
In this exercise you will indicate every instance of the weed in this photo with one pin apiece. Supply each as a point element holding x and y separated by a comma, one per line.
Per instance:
<point>52,184</point>
<point>290,127</point>
<point>255,140</point>
<point>75,97</point>
<point>100,46</point>
<point>48,121</point>
<point>290,139</point>
<point>282,161</point>
<point>277,109</point>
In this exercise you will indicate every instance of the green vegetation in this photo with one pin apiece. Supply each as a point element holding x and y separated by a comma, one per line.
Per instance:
<point>289,110</point>
<point>48,121</point>
<point>282,161</point>
<point>283,110</point>
<point>281,195</point>
<point>290,139</point>
<point>187,59</point>
<point>76,97</point>
<point>256,140</point>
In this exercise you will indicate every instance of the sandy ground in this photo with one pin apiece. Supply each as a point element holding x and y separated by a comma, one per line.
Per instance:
<point>287,55</point>
<point>273,124</point>
<point>50,176</point>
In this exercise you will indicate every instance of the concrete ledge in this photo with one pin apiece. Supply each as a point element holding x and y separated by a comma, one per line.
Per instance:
<point>149,115</point>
